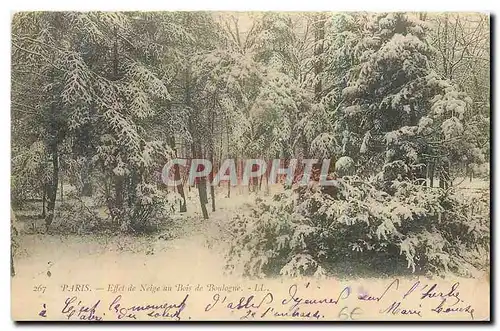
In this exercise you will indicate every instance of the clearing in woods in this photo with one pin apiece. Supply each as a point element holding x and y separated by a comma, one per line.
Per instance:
<point>186,248</point>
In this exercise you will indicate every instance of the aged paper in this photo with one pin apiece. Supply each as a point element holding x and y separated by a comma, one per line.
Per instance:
<point>250,166</point>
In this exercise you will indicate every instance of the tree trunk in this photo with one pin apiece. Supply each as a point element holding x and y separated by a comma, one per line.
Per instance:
<point>212,151</point>
<point>202,184</point>
<point>87,183</point>
<point>212,188</point>
<point>319,36</point>
<point>212,195</point>
<point>86,190</point>
<point>62,183</point>
<point>177,177</point>
<point>180,189</point>
<point>202,191</point>
<point>431,173</point>
<point>131,189</point>
<point>421,174</point>
<point>118,192</point>
<point>52,188</point>
<point>468,172</point>
<point>44,196</point>
<point>267,185</point>
<point>444,176</point>
<point>228,155</point>
<point>118,181</point>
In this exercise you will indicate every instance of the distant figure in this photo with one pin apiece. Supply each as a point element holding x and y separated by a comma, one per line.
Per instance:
<point>345,166</point>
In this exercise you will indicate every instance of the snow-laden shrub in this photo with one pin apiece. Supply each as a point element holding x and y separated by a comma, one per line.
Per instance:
<point>153,206</point>
<point>316,231</point>
<point>345,166</point>
<point>146,208</point>
<point>78,215</point>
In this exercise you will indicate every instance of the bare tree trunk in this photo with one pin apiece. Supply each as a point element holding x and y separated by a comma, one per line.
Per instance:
<point>202,191</point>
<point>228,155</point>
<point>118,180</point>
<point>87,183</point>
<point>444,176</point>
<point>212,195</point>
<point>319,36</point>
<point>212,188</point>
<point>267,185</point>
<point>202,184</point>
<point>427,171</point>
<point>177,177</point>
<point>180,189</point>
<point>86,190</point>
<point>212,151</point>
<point>421,174</point>
<point>62,183</point>
<point>52,191</point>
<point>132,182</point>
<point>468,171</point>
<point>44,197</point>
<point>431,173</point>
<point>119,192</point>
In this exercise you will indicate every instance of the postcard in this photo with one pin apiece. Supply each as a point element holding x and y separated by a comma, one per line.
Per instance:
<point>250,166</point>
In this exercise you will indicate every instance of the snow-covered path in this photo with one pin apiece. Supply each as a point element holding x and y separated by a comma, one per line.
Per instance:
<point>192,248</point>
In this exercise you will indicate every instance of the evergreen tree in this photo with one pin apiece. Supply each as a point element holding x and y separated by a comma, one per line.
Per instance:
<point>391,101</point>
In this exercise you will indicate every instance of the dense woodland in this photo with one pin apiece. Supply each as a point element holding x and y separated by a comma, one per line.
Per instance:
<point>400,101</point>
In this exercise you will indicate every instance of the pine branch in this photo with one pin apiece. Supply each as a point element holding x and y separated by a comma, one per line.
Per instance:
<point>25,106</point>
<point>37,54</point>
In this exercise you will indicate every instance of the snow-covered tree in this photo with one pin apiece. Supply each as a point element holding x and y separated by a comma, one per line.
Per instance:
<point>392,99</point>
<point>100,101</point>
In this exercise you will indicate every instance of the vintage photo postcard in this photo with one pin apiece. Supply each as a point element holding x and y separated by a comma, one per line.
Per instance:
<point>250,166</point>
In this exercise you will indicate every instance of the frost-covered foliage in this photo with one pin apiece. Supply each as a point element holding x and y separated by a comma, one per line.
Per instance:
<point>452,121</point>
<point>276,114</point>
<point>102,100</point>
<point>251,82</point>
<point>311,231</point>
<point>131,93</point>
<point>30,172</point>
<point>387,92</point>
<point>344,166</point>
<point>398,115</point>
<point>98,91</point>
<point>342,35</point>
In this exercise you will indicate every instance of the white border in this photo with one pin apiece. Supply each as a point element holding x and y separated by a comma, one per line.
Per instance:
<point>259,5</point>
<point>228,5</point>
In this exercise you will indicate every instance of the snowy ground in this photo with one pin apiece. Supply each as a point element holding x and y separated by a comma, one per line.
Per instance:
<point>190,246</point>
<point>190,251</point>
